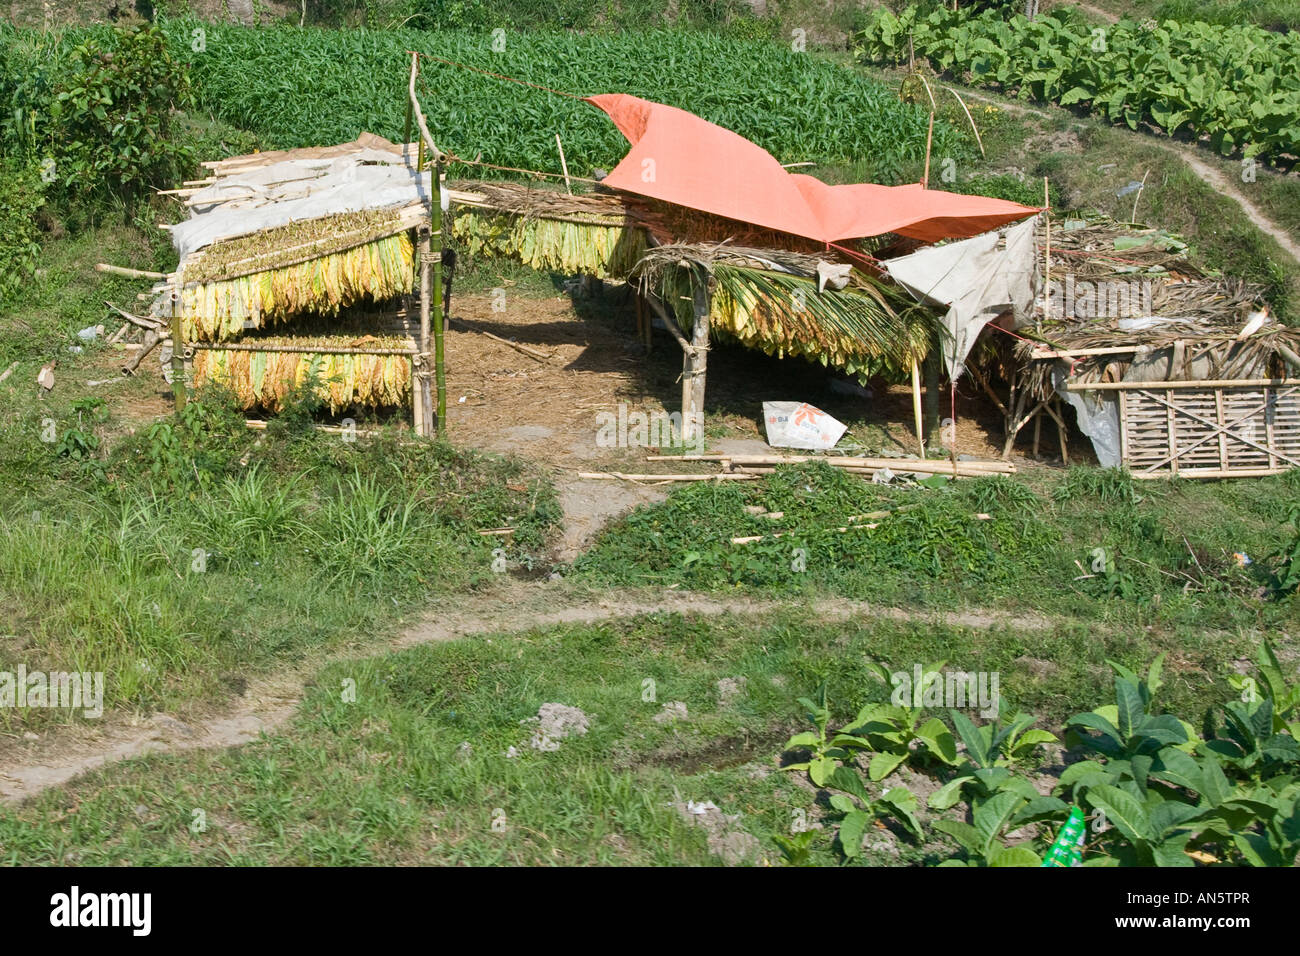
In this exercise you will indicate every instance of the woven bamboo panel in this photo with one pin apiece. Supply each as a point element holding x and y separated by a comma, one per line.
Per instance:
<point>1211,432</point>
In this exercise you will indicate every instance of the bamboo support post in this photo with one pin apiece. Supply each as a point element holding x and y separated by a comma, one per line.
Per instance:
<point>178,349</point>
<point>439,326</point>
<point>697,360</point>
<point>424,428</point>
<point>1047,254</point>
<point>916,405</point>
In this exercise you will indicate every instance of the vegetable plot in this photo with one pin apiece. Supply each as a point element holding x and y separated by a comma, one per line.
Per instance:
<point>1236,85</point>
<point>307,87</point>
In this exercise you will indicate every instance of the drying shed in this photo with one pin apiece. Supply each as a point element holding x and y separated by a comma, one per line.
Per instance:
<point>1170,371</point>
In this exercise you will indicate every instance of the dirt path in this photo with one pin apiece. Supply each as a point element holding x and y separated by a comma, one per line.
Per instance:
<point>1208,174</point>
<point>270,702</point>
<point>1216,180</point>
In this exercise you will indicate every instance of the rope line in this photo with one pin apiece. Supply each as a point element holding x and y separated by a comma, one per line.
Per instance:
<point>499,76</point>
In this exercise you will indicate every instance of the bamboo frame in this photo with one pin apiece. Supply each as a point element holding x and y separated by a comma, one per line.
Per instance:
<point>307,349</point>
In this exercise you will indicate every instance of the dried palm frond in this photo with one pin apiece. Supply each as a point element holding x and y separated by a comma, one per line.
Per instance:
<point>768,299</point>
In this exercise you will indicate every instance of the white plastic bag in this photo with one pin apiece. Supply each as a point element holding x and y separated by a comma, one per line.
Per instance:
<point>800,425</point>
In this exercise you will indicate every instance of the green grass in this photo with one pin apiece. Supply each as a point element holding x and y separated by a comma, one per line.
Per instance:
<point>1172,544</point>
<point>386,780</point>
<point>288,546</point>
<point>305,539</point>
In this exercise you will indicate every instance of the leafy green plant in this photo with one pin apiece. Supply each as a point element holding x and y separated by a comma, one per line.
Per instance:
<point>991,750</point>
<point>826,755</point>
<point>1285,696</point>
<point>1229,84</point>
<point>96,110</point>
<point>796,848</point>
<point>991,818</point>
<point>22,194</point>
<point>894,733</point>
<point>858,809</point>
<point>296,88</point>
<point>1284,580</point>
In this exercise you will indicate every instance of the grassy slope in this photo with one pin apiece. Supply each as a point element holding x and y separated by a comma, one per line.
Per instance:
<point>385,779</point>
<point>307,537</point>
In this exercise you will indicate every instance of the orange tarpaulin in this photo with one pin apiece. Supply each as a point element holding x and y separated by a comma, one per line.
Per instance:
<point>682,159</point>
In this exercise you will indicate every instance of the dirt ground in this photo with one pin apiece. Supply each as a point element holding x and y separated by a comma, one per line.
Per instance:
<point>586,360</point>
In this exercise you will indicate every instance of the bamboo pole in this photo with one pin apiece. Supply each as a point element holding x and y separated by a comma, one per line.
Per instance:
<point>439,326</point>
<point>129,273</point>
<point>564,165</point>
<point>178,349</point>
<point>916,404</point>
<point>894,464</point>
<point>592,475</point>
<point>1160,386</point>
<point>425,427</point>
<point>929,138</point>
<point>1047,254</point>
<point>530,352</point>
<point>307,349</point>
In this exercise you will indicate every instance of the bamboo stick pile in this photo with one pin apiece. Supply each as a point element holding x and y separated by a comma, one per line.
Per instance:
<point>766,464</point>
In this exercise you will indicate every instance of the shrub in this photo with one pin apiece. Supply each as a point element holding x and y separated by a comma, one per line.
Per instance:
<point>22,194</point>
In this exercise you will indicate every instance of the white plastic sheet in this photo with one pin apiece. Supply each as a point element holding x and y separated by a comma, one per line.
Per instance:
<point>976,279</point>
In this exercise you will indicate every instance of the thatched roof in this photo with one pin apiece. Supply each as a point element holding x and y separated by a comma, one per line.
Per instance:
<point>769,299</point>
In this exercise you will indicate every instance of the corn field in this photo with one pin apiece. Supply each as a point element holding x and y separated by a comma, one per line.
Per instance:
<point>309,87</point>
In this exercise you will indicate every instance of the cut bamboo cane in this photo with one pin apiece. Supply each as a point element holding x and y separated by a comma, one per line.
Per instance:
<point>139,320</point>
<point>258,425</point>
<point>894,464</point>
<point>651,478</point>
<point>7,372</point>
<point>129,273</point>
<point>526,350</point>
<point>564,165</point>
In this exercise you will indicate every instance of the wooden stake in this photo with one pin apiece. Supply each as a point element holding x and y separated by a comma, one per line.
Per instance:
<point>564,165</point>
<point>929,138</point>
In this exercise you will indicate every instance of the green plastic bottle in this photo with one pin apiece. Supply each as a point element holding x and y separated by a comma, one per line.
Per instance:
<point>1067,848</point>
